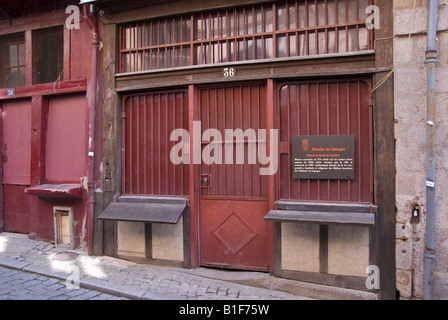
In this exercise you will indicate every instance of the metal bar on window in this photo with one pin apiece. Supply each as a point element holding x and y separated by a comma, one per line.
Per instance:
<point>209,39</point>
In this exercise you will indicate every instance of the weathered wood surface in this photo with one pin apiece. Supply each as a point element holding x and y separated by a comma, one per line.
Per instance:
<point>143,212</point>
<point>68,191</point>
<point>321,217</point>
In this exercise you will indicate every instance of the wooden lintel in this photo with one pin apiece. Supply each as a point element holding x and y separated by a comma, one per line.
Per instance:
<point>330,66</point>
<point>46,89</point>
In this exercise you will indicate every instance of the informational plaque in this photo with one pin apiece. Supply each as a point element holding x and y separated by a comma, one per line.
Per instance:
<point>324,157</point>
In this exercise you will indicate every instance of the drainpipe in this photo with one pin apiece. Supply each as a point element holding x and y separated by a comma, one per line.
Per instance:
<point>431,61</point>
<point>92,105</point>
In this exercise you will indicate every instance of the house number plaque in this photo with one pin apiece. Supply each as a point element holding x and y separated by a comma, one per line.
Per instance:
<point>228,72</point>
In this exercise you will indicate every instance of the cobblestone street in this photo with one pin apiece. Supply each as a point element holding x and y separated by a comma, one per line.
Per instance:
<point>32,270</point>
<point>20,285</point>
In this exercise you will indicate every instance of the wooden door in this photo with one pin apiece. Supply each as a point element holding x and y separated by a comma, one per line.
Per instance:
<point>233,193</point>
<point>16,153</point>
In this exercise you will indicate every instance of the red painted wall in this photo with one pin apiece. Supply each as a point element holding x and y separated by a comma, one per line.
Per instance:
<point>16,209</point>
<point>66,145</point>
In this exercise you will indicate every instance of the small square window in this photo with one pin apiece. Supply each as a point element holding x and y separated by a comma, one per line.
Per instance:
<point>12,61</point>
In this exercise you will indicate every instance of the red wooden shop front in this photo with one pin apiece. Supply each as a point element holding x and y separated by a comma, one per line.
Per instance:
<point>231,196</point>
<point>298,67</point>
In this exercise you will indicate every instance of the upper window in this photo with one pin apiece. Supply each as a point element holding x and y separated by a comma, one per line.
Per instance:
<point>12,61</point>
<point>48,55</point>
<point>275,30</point>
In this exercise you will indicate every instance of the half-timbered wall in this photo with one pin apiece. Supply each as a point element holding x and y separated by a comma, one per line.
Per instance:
<point>53,72</point>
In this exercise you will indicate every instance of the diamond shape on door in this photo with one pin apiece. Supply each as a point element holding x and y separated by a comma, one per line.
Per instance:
<point>234,233</point>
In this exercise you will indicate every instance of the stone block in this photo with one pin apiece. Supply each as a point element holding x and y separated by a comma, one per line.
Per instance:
<point>300,247</point>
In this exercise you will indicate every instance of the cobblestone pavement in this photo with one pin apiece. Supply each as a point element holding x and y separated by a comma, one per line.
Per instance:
<point>20,285</point>
<point>114,276</point>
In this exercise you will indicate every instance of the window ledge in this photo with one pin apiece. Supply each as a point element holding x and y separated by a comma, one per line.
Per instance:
<point>64,191</point>
<point>323,213</point>
<point>145,209</point>
<point>327,218</point>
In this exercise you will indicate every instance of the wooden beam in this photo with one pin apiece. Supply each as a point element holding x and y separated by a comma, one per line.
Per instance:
<point>251,70</point>
<point>194,180</point>
<point>28,58</point>
<point>45,89</point>
<point>37,21</point>
<point>122,11</point>
<point>384,156</point>
<point>385,187</point>
<point>111,118</point>
<point>2,219</point>
<point>323,248</point>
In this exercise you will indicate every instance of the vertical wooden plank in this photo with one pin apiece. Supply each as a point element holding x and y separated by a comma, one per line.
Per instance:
<point>98,224</point>
<point>194,178</point>
<point>39,109</point>
<point>111,111</point>
<point>385,187</point>
<point>148,240</point>
<point>277,249</point>
<point>67,53</point>
<point>187,237</point>
<point>323,248</point>
<point>384,161</point>
<point>2,219</point>
<point>111,135</point>
<point>28,58</point>
<point>270,126</point>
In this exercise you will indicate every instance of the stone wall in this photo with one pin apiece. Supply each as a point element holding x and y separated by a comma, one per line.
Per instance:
<point>410,134</point>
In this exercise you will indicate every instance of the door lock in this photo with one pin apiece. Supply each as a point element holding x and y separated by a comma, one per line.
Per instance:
<point>206,181</point>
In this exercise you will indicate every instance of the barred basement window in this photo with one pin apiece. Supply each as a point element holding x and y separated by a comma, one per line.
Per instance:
<point>266,31</point>
<point>48,55</point>
<point>12,61</point>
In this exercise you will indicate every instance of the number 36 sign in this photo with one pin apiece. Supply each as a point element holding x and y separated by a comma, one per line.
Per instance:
<point>228,72</point>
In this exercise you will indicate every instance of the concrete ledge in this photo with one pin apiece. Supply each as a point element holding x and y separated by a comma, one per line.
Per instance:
<point>45,271</point>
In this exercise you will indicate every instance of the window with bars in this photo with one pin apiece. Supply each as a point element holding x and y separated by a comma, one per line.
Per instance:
<point>12,61</point>
<point>266,31</point>
<point>48,55</point>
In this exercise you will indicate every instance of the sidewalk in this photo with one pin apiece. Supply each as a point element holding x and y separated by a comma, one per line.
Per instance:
<point>149,282</point>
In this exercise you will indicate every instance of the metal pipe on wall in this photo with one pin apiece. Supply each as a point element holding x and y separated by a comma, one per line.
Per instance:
<point>431,61</point>
<point>92,105</point>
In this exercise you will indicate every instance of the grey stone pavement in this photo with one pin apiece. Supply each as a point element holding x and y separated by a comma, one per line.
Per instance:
<point>22,285</point>
<point>107,277</point>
